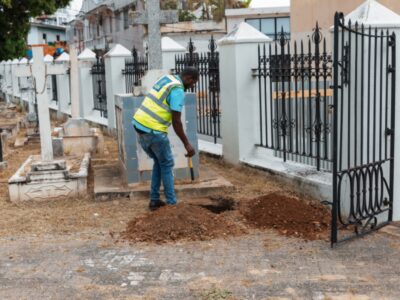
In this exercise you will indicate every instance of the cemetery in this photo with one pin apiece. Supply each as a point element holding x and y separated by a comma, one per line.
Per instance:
<point>293,192</point>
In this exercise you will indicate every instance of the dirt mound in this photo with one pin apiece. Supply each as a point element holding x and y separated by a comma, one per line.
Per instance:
<point>180,222</point>
<point>289,215</point>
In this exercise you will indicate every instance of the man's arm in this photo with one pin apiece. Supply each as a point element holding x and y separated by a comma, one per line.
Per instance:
<point>178,128</point>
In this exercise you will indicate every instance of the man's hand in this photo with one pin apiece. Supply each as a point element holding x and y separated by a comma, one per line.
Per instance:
<point>177,124</point>
<point>190,150</point>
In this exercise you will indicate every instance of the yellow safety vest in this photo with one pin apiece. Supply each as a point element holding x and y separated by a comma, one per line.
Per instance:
<point>155,112</point>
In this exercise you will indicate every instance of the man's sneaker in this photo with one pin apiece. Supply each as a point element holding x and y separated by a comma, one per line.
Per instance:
<point>155,205</point>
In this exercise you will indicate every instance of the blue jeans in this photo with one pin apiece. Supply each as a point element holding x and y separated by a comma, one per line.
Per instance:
<point>158,148</point>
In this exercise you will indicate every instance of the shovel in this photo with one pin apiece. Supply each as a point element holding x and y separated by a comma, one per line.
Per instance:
<point>190,162</point>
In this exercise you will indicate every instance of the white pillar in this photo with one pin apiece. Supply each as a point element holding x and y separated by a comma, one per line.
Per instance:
<point>115,80</point>
<point>8,77</point>
<point>239,98</point>
<point>63,86</point>
<point>86,60</point>
<point>2,73</point>
<point>76,111</point>
<point>23,82</point>
<point>14,80</point>
<point>170,49</point>
<point>32,94</point>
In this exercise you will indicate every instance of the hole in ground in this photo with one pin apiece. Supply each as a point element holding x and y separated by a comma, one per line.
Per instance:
<point>220,205</point>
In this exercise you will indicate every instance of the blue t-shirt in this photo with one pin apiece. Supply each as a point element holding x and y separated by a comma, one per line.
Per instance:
<point>175,99</point>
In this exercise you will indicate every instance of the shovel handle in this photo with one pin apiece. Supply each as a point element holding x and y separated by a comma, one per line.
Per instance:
<point>191,168</point>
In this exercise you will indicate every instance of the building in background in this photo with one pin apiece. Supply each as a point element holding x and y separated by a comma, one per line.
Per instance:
<point>305,13</point>
<point>103,23</point>
<point>41,33</point>
<point>49,31</point>
<point>199,31</point>
<point>267,16</point>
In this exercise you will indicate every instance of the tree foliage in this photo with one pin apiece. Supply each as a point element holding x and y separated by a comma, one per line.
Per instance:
<point>186,15</point>
<point>14,23</point>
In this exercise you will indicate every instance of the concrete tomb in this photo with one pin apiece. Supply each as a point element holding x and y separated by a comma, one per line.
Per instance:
<point>134,162</point>
<point>43,177</point>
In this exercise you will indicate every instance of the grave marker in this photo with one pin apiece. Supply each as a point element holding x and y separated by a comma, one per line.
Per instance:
<point>40,73</point>
<point>153,17</point>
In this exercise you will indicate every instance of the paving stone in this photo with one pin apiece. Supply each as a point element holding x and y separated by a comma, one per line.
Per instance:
<point>256,266</point>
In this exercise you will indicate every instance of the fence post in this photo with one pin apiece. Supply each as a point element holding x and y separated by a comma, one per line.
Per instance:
<point>86,59</point>
<point>8,80</point>
<point>48,59</point>
<point>63,87</point>
<point>2,79</point>
<point>14,81</point>
<point>170,48</point>
<point>115,80</point>
<point>239,98</point>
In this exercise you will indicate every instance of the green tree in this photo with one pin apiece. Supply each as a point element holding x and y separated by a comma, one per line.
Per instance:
<point>14,23</point>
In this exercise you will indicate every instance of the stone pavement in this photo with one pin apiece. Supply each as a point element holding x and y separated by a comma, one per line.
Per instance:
<point>90,265</point>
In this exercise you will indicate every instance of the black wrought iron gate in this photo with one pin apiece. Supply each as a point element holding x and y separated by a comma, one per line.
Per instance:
<point>363,131</point>
<point>98,72</point>
<point>207,88</point>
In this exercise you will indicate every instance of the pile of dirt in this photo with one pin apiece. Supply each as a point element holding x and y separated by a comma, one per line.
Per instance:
<point>181,222</point>
<point>288,215</point>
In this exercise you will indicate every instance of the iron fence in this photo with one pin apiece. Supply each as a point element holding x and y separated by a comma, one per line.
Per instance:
<point>54,88</point>
<point>207,88</point>
<point>135,68</point>
<point>364,122</point>
<point>295,99</point>
<point>98,72</point>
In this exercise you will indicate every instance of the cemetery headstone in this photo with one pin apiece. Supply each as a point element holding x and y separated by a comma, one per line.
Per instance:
<point>135,164</point>
<point>153,17</point>
<point>40,72</point>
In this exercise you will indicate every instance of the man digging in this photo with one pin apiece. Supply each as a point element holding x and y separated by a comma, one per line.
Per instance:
<point>162,107</point>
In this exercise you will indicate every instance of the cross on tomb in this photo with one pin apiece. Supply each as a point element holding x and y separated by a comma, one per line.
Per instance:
<point>153,17</point>
<point>40,72</point>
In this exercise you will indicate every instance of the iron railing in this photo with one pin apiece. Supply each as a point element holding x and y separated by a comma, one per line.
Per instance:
<point>207,88</point>
<point>98,72</point>
<point>135,69</point>
<point>54,88</point>
<point>363,130</point>
<point>295,99</point>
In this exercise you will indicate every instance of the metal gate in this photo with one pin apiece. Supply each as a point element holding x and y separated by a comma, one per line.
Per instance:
<point>207,88</point>
<point>54,88</point>
<point>363,129</point>
<point>98,72</point>
<point>135,68</point>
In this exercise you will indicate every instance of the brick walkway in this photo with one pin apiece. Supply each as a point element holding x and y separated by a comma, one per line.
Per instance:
<point>257,266</point>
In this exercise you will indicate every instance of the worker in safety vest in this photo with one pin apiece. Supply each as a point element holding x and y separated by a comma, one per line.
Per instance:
<point>160,109</point>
